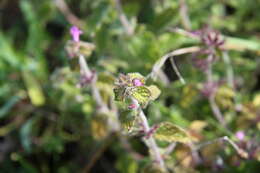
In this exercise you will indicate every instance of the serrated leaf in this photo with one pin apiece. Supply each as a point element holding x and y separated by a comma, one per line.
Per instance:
<point>127,119</point>
<point>119,93</point>
<point>142,94</point>
<point>171,133</point>
<point>155,92</point>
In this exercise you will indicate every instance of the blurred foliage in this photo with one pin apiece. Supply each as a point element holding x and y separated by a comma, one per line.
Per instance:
<point>46,122</point>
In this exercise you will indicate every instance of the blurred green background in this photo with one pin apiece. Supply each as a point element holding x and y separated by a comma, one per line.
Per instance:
<point>45,119</point>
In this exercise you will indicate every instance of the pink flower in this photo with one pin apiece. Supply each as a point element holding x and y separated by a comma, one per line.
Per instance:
<point>132,106</point>
<point>137,82</point>
<point>75,32</point>
<point>240,135</point>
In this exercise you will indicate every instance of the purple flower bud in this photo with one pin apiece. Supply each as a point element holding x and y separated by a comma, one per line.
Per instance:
<point>75,32</point>
<point>137,82</point>
<point>240,135</point>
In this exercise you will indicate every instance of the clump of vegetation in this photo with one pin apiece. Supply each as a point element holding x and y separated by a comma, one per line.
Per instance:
<point>129,86</point>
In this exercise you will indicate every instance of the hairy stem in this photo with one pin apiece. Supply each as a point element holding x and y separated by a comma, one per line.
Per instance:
<point>84,70</point>
<point>150,142</point>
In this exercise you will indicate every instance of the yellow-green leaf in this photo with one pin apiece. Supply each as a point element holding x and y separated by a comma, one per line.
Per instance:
<point>142,94</point>
<point>119,93</point>
<point>34,89</point>
<point>127,119</point>
<point>171,133</point>
<point>155,92</point>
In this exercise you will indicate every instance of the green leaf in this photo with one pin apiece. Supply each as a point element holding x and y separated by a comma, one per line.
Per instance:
<point>163,19</point>
<point>155,91</point>
<point>9,105</point>
<point>26,133</point>
<point>127,119</point>
<point>242,44</point>
<point>119,93</point>
<point>34,89</point>
<point>142,94</point>
<point>171,133</point>
<point>126,164</point>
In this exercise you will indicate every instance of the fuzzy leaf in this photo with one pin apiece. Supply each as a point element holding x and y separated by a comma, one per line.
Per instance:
<point>155,92</point>
<point>127,119</point>
<point>171,133</point>
<point>142,94</point>
<point>119,93</point>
